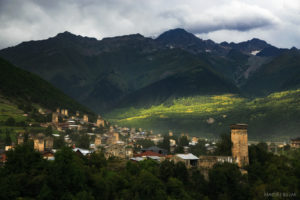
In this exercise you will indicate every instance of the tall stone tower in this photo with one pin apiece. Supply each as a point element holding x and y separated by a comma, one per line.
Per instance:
<point>239,139</point>
<point>100,122</point>
<point>66,112</point>
<point>98,141</point>
<point>116,137</point>
<point>39,144</point>
<point>85,118</point>
<point>77,113</point>
<point>55,117</point>
<point>49,143</point>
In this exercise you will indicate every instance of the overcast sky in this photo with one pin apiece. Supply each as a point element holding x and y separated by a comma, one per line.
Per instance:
<point>276,21</point>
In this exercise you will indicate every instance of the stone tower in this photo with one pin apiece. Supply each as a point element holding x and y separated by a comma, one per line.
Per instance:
<point>100,122</point>
<point>85,118</point>
<point>58,110</point>
<point>55,117</point>
<point>66,112</point>
<point>39,144</point>
<point>77,113</point>
<point>20,139</point>
<point>49,143</point>
<point>239,139</point>
<point>98,140</point>
<point>116,137</point>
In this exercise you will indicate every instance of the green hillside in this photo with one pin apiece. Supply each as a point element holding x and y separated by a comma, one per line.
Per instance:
<point>196,81</point>
<point>276,116</point>
<point>8,109</point>
<point>100,74</point>
<point>24,88</point>
<point>282,73</point>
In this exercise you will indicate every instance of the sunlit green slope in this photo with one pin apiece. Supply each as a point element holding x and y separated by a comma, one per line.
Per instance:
<point>276,116</point>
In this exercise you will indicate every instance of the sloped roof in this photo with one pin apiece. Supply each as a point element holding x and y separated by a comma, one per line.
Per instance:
<point>154,148</point>
<point>137,159</point>
<point>82,151</point>
<point>187,156</point>
<point>149,153</point>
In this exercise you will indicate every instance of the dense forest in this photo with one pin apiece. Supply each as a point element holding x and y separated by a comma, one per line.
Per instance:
<point>26,175</point>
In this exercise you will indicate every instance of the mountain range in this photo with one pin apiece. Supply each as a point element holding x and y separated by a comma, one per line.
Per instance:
<point>21,88</point>
<point>105,73</point>
<point>136,71</point>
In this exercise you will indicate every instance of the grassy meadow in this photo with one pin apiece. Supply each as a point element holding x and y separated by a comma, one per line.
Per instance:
<point>275,117</point>
<point>8,110</point>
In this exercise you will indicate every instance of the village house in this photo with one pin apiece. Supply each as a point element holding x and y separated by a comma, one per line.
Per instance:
<point>112,138</point>
<point>295,143</point>
<point>207,162</point>
<point>273,148</point>
<point>85,118</point>
<point>98,141</point>
<point>2,156</point>
<point>38,141</point>
<point>189,160</point>
<point>148,155</point>
<point>48,155</point>
<point>118,150</point>
<point>83,152</point>
<point>156,150</point>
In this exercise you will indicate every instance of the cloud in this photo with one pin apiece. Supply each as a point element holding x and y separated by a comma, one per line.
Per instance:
<point>218,20</point>
<point>233,16</point>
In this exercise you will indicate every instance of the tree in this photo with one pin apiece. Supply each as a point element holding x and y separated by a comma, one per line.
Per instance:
<point>84,142</point>
<point>22,159</point>
<point>165,144</point>
<point>227,182</point>
<point>166,170</point>
<point>199,148</point>
<point>181,172</point>
<point>48,131</point>
<point>67,173</point>
<point>179,149</point>
<point>148,186</point>
<point>286,147</point>
<point>176,190</point>
<point>59,142</point>
<point>96,161</point>
<point>224,146</point>
<point>10,122</point>
<point>145,143</point>
<point>199,184</point>
<point>8,133</point>
<point>183,141</point>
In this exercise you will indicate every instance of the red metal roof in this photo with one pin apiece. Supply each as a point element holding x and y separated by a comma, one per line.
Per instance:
<point>149,153</point>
